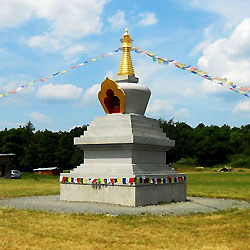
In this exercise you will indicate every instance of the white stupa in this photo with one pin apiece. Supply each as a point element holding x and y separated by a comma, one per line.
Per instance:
<point>124,151</point>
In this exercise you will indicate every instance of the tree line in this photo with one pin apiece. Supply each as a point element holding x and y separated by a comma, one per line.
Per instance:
<point>208,145</point>
<point>202,145</point>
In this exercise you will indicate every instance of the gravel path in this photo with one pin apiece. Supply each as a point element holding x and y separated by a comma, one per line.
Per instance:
<point>53,203</point>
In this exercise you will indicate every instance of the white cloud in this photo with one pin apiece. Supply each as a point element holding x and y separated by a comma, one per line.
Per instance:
<point>233,10</point>
<point>145,70</point>
<point>9,124</point>
<point>148,18</point>
<point>202,45</point>
<point>118,20</point>
<point>16,12</point>
<point>188,92</point>
<point>39,117</point>
<point>243,106</point>
<point>66,20</point>
<point>110,74</point>
<point>74,50</point>
<point>182,114</point>
<point>158,107</point>
<point>229,57</point>
<point>47,42</point>
<point>75,18</point>
<point>163,108</point>
<point>90,97</point>
<point>211,87</point>
<point>59,92</point>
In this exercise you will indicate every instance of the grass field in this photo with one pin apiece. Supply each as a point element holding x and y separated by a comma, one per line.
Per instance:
<point>229,185</point>
<point>25,229</point>
<point>30,184</point>
<point>234,185</point>
<point>20,229</point>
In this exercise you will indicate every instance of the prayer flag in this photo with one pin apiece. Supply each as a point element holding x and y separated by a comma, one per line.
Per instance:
<point>123,180</point>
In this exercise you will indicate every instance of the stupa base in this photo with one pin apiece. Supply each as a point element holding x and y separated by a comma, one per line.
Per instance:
<point>134,195</point>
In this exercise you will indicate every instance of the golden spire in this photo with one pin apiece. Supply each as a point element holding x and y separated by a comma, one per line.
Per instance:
<point>126,66</point>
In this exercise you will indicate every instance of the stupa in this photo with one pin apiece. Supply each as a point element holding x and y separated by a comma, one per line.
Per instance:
<point>124,151</point>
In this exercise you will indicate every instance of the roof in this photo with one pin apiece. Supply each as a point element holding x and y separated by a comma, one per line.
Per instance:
<point>6,154</point>
<point>45,169</point>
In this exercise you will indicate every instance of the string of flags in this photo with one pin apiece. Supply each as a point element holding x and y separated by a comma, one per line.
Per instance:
<point>44,79</point>
<point>123,181</point>
<point>222,81</point>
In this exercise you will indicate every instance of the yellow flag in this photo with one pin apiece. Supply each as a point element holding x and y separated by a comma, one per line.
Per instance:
<point>159,61</point>
<point>69,179</point>
<point>63,71</point>
<point>84,181</point>
<point>119,180</point>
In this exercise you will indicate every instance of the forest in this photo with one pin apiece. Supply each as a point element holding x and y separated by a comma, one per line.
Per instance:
<point>200,146</point>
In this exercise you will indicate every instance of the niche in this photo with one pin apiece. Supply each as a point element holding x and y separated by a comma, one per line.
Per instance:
<point>111,97</point>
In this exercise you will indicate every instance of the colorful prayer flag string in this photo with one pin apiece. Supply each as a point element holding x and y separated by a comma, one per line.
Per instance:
<point>222,81</point>
<point>123,180</point>
<point>44,79</point>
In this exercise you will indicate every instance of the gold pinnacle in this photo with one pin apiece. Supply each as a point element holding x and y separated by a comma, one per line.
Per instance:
<point>126,66</point>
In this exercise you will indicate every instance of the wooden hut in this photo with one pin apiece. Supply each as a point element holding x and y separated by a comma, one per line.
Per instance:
<point>5,164</point>
<point>49,171</point>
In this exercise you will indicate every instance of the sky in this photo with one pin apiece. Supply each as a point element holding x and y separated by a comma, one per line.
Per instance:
<point>39,38</point>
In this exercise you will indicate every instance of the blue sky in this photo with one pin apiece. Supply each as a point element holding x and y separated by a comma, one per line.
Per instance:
<point>39,38</point>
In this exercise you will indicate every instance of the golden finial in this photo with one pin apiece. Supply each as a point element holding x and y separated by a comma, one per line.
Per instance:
<point>126,66</point>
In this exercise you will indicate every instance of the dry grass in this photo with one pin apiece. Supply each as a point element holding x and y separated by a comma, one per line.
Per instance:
<point>20,229</point>
<point>23,229</point>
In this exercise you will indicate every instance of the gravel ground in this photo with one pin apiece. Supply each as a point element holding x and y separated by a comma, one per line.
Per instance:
<point>52,203</point>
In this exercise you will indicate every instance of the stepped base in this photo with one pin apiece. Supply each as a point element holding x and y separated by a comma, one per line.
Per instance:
<point>134,196</point>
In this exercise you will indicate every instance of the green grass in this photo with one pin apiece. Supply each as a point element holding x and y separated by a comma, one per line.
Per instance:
<point>30,184</point>
<point>233,185</point>
<point>230,185</point>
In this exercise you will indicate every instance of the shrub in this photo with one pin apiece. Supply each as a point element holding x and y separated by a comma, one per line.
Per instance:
<point>187,162</point>
<point>240,162</point>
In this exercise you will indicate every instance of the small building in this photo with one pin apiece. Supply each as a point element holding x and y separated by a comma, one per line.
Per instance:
<point>50,171</point>
<point>5,164</point>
